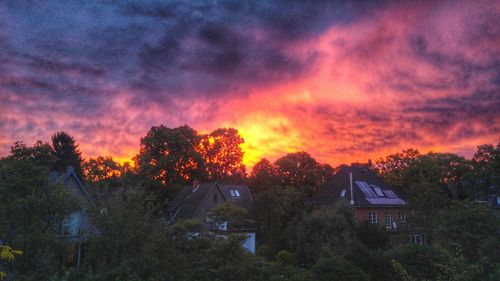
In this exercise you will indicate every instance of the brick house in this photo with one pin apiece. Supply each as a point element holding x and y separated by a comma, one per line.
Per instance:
<point>371,198</point>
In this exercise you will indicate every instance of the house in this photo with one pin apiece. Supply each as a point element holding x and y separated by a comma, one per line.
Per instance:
<point>76,228</point>
<point>489,198</point>
<point>195,202</point>
<point>370,197</point>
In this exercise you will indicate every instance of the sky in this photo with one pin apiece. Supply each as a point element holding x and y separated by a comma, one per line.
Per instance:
<point>343,80</point>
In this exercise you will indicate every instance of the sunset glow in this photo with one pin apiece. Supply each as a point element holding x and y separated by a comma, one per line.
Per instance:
<point>344,82</point>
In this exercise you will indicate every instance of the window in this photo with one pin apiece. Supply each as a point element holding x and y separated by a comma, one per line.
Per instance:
<point>215,198</point>
<point>388,220</point>
<point>372,217</point>
<point>416,239</point>
<point>342,194</point>
<point>234,192</point>
<point>401,217</point>
<point>71,225</point>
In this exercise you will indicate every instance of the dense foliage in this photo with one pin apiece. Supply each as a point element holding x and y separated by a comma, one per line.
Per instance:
<point>294,241</point>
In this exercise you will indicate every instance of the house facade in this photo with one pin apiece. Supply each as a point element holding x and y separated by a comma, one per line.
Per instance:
<point>370,197</point>
<point>195,202</point>
<point>76,228</point>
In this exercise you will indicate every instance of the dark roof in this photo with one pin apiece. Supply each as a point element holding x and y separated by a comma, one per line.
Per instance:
<point>188,201</point>
<point>55,176</point>
<point>368,190</point>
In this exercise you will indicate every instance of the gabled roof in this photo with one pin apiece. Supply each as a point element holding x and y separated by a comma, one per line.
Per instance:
<point>188,201</point>
<point>65,177</point>
<point>369,190</point>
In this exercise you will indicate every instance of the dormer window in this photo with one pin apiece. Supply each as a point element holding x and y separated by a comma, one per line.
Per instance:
<point>234,193</point>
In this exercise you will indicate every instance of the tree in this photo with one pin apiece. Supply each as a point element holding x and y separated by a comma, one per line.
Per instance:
<point>435,262</point>
<point>103,171</point>
<point>302,171</point>
<point>470,227</point>
<point>168,158</point>
<point>279,271</point>
<point>274,211</point>
<point>130,228</point>
<point>486,162</point>
<point>31,208</point>
<point>394,166</point>
<point>330,267</point>
<point>229,213</point>
<point>40,153</point>
<point>263,177</point>
<point>372,235</point>
<point>7,254</point>
<point>67,153</point>
<point>449,173</point>
<point>221,150</point>
<point>135,244</point>
<point>327,229</point>
<point>437,168</point>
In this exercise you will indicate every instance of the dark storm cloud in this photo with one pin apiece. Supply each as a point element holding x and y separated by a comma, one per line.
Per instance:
<point>159,48</point>
<point>371,74</point>
<point>230,46</point>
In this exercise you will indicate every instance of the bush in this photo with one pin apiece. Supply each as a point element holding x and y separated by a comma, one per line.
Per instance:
<point>339,269</point>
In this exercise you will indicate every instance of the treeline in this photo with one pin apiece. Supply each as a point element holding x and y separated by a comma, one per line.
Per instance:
<point>294,243</point>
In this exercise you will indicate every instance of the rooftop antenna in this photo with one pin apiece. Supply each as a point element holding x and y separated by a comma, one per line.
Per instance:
<point>350,180</point>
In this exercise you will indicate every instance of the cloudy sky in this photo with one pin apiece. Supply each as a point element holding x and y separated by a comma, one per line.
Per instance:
<point>343,80</point>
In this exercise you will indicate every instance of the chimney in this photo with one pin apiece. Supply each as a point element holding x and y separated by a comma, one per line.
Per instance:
<point>350,181</point>
<point>195,185</point>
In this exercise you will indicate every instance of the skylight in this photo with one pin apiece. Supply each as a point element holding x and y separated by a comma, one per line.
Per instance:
<point>378,191</point>
<point>390,194</point>
<point>234,193</point>
<point>366,189</point>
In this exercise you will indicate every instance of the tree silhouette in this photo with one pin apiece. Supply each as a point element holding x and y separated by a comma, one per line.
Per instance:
<point>263,177</point>
<point>302,171</point>
<point>168,157</point>
<point>223,155</point>
<point>67,153</point>
<point>102,170</point>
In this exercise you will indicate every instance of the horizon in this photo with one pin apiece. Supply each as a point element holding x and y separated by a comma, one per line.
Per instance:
<point>345,82</point>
